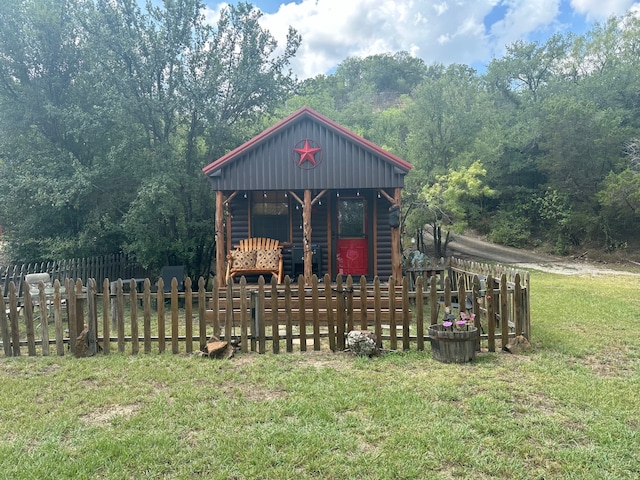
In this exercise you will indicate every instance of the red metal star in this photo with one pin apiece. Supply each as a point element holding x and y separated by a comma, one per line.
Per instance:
<point>307,153</point>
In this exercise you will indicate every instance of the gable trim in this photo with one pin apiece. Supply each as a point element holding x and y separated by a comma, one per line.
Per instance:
<point>401,164</point>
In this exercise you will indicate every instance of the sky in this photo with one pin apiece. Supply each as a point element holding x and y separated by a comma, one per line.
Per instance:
<point>470,32</point>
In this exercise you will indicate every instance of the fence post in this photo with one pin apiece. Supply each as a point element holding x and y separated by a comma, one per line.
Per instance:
<point>146,314</point>
<point>262,336</point>
<point>504,311</point>
<point>188,314</point>
<point>349,300</point>
<point>288,315</point>
<point>329,305</point>
<point>107,311</point>
<point>120,315</point>
<point>28,319</point>
<point>174,316</point>
<point>275,327</point>
<point>377,311</point>
<point>161,317</point>
<point>433,300</point>
<point>340,300</point>
<point>364,322</point>
<point>491,317</point>
<point>57,317</point>
<point>133,307</point>
<point>92,333</point>
<point>69,287</point>
<point>228,318</point>
<point>316,313</point>
<point>517,304</point>
<point>255,321</point>
<point>202,306</point>
<point>419,313</point>
<point>406,314</point>
<point>302,319</point>
<point>393,333</point>
<point>475,296</point>
<point>243,316</point>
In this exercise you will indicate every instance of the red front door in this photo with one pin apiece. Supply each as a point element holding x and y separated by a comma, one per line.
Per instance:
<point>352,244</point>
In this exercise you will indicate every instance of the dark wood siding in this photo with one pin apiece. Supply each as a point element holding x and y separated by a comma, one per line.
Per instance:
<point>270,164</point>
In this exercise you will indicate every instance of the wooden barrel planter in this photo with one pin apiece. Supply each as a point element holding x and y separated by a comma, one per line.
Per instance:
<point>453,346</point>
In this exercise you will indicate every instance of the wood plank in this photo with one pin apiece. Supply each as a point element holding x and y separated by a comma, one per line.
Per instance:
<point>106,320</point>
<point>419,314</point>
<point>161,317</point>
<point>491,321</point>
<point>202,306</point>
<point>146,315</point>
<point>288,314</point>
<point>392,316</point>
<point>175,347</point>
<point>188,314</point>
<point>244,316</point>
<point>133,305</point>
<point>377,311</point>
<point>262,347</point>
<point>302,319</point>
<point>57,317</point>
<point>28,319</point>
<point>504,310</point>
<point>329,306</point>
<point>316,312</point>
<point>406,314</point>
<point>275,327</point>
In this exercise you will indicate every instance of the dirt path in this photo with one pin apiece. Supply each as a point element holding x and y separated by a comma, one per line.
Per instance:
<point>465,246</point>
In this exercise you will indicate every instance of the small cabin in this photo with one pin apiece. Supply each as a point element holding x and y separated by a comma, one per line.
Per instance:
<point>330,197</point>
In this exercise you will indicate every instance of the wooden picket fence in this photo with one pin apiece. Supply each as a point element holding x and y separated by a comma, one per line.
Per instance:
<point>259,317</point>
<point>118,265</point>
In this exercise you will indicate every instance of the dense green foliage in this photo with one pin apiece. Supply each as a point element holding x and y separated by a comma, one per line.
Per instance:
<point>549,124</point>
<point>109,111</point>
<point>108,114</point>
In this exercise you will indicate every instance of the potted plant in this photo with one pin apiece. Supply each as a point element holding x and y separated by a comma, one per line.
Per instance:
<point>454,340</point>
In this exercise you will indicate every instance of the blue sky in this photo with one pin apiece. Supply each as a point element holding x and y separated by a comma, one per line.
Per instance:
<point>445,31</point>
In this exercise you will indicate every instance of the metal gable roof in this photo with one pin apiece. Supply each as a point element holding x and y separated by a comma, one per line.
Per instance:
<point>344,160</point>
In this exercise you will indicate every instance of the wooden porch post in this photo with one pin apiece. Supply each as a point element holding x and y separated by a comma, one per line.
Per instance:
<point>220,247</point>
<point>306,225</point>
<point>396,248</point>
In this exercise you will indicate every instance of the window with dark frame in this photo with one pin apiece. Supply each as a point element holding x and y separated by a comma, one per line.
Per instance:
<point>270,215</point>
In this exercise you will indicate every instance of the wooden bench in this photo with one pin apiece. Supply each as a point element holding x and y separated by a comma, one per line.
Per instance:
<point>256,256</point>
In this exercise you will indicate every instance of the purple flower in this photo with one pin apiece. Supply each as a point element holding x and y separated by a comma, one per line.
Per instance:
<point>447,324</point>
<point>461,323</point>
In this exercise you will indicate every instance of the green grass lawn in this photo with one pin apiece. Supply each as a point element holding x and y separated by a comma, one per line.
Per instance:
<point>569,408</point>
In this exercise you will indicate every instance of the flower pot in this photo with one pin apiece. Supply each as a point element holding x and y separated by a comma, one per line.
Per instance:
<point>453,346</point>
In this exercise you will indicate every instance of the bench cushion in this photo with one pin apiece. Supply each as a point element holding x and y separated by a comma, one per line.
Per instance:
<point>268,259</point>
<point>244,259</point>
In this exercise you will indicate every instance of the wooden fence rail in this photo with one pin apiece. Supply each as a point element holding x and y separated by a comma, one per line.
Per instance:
<point>260,317</point>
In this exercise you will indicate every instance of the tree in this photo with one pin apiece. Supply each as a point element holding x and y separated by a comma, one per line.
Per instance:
<point>111,112</point>
<point>455,200</point>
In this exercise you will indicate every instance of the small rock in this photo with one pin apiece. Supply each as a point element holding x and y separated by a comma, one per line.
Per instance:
<point>517,345</point>
<point>362,342</point>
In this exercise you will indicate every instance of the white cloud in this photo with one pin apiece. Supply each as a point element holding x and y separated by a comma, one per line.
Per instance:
<point>602,9</point>
<point>444,31</point>
<point>523,17</point>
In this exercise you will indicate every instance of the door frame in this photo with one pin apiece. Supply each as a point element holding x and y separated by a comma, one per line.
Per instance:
<point>367,197</point>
